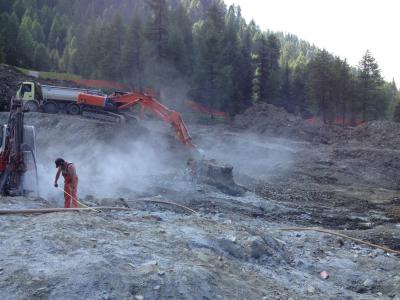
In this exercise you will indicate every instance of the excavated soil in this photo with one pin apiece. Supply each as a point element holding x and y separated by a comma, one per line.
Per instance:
<point>10,78</point>
<point>233,247</point>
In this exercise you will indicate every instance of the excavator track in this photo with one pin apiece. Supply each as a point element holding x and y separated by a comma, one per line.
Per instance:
<point>104,116</point>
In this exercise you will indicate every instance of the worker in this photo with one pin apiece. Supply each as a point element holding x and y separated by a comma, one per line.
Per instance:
<point>68,171</point>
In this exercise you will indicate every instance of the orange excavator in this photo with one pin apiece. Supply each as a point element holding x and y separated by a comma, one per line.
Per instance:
<point>118,104</point>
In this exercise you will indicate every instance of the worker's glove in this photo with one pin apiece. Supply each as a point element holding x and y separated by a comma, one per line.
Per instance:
<point>56,185</point>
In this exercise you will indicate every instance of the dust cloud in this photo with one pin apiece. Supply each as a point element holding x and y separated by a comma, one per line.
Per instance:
<point>111,161</point>
<point>251,155</point>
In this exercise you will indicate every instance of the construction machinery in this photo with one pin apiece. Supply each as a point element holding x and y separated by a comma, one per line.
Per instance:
<point>121,102</point>
<point>18,170</point>
<point>50,99</point>
<point>94,104</point>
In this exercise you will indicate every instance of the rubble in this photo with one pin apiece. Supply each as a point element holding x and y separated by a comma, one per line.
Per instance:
<point>267,119</point>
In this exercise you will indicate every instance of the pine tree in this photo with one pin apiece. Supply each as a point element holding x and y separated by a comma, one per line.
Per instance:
<point>273,69</point>
<point>37,32</point>
<point>110,65</point>
<point>41,58</point>
<point>26,47</point>
<point>260,82</point>
<point>68,59</point>
<point>132,53</point>
<point>157,29</point>
<point>57,34</point>
<point>180,41</point>
<point>211,75</point>
<point>286,90</point>
<point>396,114</point>
<point>243,74</point>
<point>319,86</point>
<point>1,55</point>
<point>370,83</point>
<point>8,37</point>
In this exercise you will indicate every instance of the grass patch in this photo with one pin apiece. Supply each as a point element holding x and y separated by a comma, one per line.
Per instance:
<point>51,75</point>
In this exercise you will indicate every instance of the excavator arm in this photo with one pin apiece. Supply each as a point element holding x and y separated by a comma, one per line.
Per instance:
<point>123,101</point>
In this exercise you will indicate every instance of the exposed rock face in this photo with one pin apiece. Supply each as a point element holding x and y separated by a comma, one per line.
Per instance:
<point>215,174</point>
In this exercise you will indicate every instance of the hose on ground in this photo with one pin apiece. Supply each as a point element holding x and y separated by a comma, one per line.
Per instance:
<point>322,230</point>
<point>52,210</point>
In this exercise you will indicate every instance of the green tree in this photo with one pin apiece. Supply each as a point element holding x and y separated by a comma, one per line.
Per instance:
<point>57,34</point>
<point>1,55</point>
<point>110,64</point>
<point>260,81</point>
<point>19,8</point>
<point>319,86</point>
<point>243,73</point>
<point>341,88</point>
<point>370,87</point>
<point>26,47</point>
<point>286,90</point>
<point>8,37</point>
<point>157,28</point>
<point>266,79</point>
<point>41,58</point>
<point>396,114</point>
<point>132,53</point>
<point>211,76</point>
<point>37,32</point>
<point>299,86</point>
<point>237,55</point>
<point>180,41</point>
<point>273,69</point>
<point>68,59</point>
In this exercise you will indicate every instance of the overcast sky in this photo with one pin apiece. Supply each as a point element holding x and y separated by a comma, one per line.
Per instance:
<point>344,27</point>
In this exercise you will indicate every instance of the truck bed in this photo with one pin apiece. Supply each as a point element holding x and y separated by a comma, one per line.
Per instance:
<point>64,93</point>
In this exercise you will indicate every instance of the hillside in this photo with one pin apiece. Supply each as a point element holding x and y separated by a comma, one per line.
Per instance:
<point>178,45</point>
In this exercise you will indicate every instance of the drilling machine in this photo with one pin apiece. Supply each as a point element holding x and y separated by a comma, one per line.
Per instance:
<point>17,154</point>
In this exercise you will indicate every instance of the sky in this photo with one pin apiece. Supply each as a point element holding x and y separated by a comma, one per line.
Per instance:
<point>346,28</point>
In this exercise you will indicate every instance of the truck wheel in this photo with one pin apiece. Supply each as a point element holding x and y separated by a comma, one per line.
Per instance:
<point>50,108</point>
<point>73,109</point>
<point>31,106</point>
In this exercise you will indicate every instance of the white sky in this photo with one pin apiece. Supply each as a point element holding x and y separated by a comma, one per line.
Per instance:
<point>346,28</point>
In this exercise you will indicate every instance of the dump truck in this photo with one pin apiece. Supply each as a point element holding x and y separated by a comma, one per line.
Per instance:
<point>50,99</point>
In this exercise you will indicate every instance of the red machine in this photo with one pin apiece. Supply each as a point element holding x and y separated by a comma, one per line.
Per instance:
<point>17,154</point>
<point>120,102</point>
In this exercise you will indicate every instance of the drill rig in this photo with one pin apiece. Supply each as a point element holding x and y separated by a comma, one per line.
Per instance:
<point>17,154</point>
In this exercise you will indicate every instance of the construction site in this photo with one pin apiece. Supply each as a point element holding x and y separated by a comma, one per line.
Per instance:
<point>264,206</point>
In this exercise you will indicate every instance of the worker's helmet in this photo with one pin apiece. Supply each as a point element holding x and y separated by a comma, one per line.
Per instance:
<point>59,162</point>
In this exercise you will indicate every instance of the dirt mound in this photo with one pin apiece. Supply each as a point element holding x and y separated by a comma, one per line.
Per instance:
<point>10,77</point>
<point>268,119</point>
<point>377,133</point>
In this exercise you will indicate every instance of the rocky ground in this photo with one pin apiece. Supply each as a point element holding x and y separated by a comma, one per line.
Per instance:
<point>234,246</point>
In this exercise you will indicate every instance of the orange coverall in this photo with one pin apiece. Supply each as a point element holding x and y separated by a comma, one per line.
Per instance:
<point>70,185</point>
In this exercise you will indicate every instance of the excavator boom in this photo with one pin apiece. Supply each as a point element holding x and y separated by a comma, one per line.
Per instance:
<point>118,102</point>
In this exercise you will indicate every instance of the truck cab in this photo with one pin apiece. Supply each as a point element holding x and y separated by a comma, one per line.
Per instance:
<point>29,91</point>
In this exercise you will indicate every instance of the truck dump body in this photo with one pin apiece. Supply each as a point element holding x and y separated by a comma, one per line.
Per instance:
<point>64,93</point>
